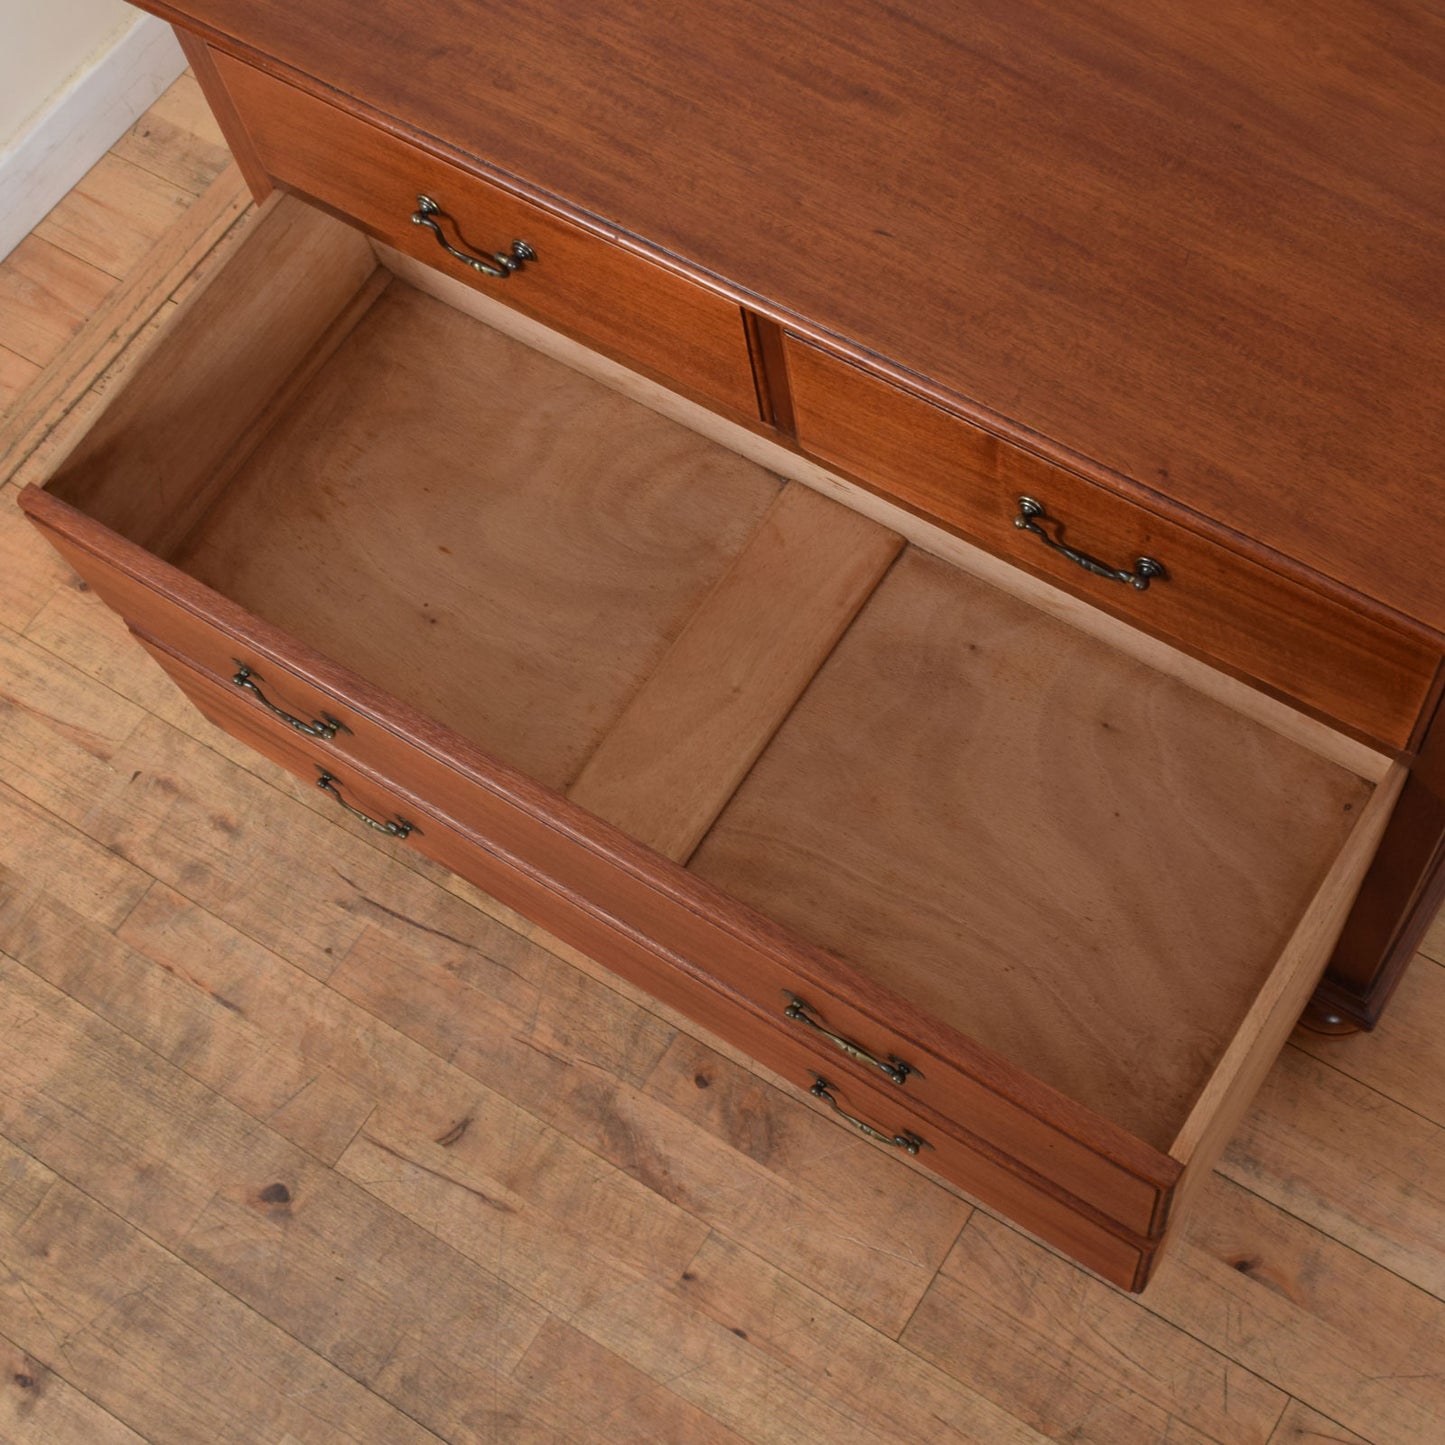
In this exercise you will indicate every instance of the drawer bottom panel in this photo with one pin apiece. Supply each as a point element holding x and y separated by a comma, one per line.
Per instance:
<point>947,1148</point>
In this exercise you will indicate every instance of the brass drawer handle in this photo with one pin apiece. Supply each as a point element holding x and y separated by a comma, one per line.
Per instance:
<point>492,263</point>
<point>324,727</point>
<point>1145,569</point>
<point>398,829</point>
<point>891,1067</point>
<point>905,1140</point>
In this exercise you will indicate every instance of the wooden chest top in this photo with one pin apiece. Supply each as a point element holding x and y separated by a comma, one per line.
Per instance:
<point>1197,251</point>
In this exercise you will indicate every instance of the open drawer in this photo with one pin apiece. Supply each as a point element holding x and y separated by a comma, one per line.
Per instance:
<point>1031,912</point>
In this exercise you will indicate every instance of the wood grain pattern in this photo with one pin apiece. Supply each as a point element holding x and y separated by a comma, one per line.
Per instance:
<point>1077,1226</point>
<point>450,1352</point>
<point>111,326</point>
<point>114,215</point>
<point>162,1001</point>
<point>61,432</point>
<point>1232,301</point>
<point>1322,651</point>
<point>933,811</point>
<point>1273,1012</point>
<point>178,138</point>
<point>786,461</point>
<point>794,1332</point>
<point>1358,1166</point>
<point>36,1402</point>
<point>581,280</point>
<point>1299,1425</point>
<point>219,105</point>
<point>154,1343</point>
<point>514,1018</point>
<point>1288,1302</point>
<point>1001,1316</point>
<point>1313,1317</point>
<point>31,577</point>
<point>558,1047</point>
<point>233,343</point>
<point>97,881</point>
<point>665,769</point>
<point>556,571</point>
<point>16,375</point>
<point>1403,892</point>
<point>45,296</point>
<point>1403,1057</point>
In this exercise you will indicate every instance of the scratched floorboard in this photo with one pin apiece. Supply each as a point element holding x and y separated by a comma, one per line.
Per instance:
<point>295,1153</point>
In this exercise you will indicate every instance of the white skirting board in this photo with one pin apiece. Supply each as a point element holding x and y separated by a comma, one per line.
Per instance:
<point>81,122</point>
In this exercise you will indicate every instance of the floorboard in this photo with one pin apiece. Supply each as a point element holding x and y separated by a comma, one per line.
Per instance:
<point>302,1140</point>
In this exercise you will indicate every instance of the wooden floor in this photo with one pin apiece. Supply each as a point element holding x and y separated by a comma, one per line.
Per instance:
<point>302,1140</point>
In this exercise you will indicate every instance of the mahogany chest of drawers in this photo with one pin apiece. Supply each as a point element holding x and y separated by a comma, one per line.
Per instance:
<point>906,551</point>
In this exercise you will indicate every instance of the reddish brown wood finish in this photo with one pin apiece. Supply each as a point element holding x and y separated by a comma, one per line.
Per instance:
<point>579,282</point>
<point>1220,605</point>
<point>770,366</point>
<point>1194,255</point>
<point>1200,247</point>
<point>1401,894</point>
<point>680,920</point>
<point>1195,259</point>
<point>950,1149</point>
<point>203,67</point>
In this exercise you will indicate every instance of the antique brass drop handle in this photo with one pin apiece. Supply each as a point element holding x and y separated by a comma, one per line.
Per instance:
<point>909,1142</point>
<point>398,829</point>
<point>491,263</point>
<point>1145,569</point>
<point>892,1068</point>
<point>324,727</point>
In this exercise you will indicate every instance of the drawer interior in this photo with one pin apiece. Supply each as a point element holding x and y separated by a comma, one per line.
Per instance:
<point>1057,850</point>
<point>507,544</point>
<point>1067,855</point>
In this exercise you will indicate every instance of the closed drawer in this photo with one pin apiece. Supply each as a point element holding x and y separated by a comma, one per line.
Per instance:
<point>1080,902</point>
<point>476,853</point>
<point>591,287</point>
<point>1216,603</point>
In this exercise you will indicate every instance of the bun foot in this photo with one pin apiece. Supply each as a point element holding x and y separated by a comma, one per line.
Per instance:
<point>1323,1018</point>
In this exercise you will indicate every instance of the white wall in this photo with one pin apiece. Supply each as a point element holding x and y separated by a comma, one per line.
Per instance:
<point>42,44</point>
<point>74,74</point>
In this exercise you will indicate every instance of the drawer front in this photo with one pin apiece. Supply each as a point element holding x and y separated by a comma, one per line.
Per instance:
<point>1217,604</point>
<point>594,289</point>
<point>680,922</point>
<point>942,1145</point>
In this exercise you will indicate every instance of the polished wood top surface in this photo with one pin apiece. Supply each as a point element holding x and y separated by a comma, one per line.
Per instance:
<point>1200,247</point>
